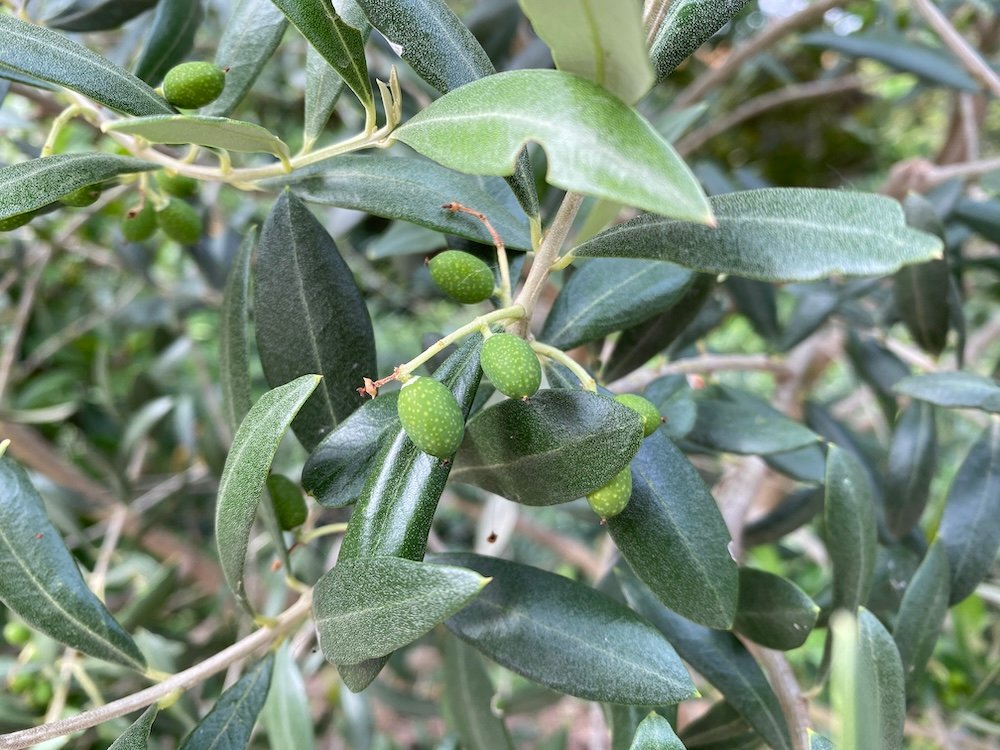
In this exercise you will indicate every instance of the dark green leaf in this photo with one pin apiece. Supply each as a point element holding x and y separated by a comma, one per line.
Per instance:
<point>406,188</point>
<point>757,301</point>
<point>229,724</point>
<point>813,306</point>
<point>468,699</point>
<point>249,38</point>
<point>778,234</point>
<point>673,536</point>
<point>912,463</point>
<point>746,426</point>
<point>244,476</point>
<point>49,55</point>
<point>336,470</point>
<point>286,713</point>
<point>310,317</point>
<point>773,611</point>
<point>720,728</point>
<point>42,583</point>
<point>234,355</point>
<point>214,132</point>
<point>593,142</point>
<point>931,64</point>
<point>804,464</point>
<point>983,217</point>
<point>552,448</point>
<point>341,45</point>
<point>655,733</point>
<point>721,659</point>
<point>673,396</point>
<point>323,89</point>
<point>403,238</point>
<point>921,291</point>
<point>880,678</point>
<point>136,736</point>
<point>793,512</point>
<point>171,38</point>
<point>370,606</point>
<point>956,390</point>
<point>30,185</point>
<point>970,525</point>
<point>567,636</point>
<point>878,367</point>
<point>687,25</point>
<point>600,41</point>
<point>922,613</point>
<point>606,295</point>
<point>623,721</point>
<point>9,75</point>
<point>97,15</point>
<point>851,534</point>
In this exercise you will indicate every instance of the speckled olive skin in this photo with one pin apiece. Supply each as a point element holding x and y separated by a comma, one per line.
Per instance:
<point>462,277</point>
<point>180,222</point>
<point>651,418</point>
<point>193,84</point>
<point>511,365</point>
<point>140,225</point>
<point>431,417</point>
<point>611,499</point>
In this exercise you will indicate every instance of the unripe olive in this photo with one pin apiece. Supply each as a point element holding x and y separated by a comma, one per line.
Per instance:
<point>17,220</point>
<point>138,224</point>
<point>511,365</point>
<point>177,184</point>
<point>461,276</point>
<point>611,499</point>
<point>193,84</point>
<point>22,682</point>
<point>651,418</point>
<point>180,222</point>
<point>289,505</point>
<point>16,633</point>
<point>41,694</point>
<point>431,416</point>
<point>82,197</point>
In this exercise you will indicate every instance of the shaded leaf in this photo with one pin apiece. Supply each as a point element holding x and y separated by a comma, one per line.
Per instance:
<point>673,396</point>
<point>286,712</point>
<point>234,354</point>
<point>552,448</point>
<point>600,40</point>
<point>136,736</point>
<point>594,143</point>
<point>46,54</point>
<point>97,15</point>
<point>720,728</point>
<point>215,132</point>
<point>42,583</point>
<point>819,742</point>
<point>793,512</point>
<point>921,614</point>
<point>970,524</point>
<point>851,535</point>
<point>814,304</point>
<point>773,611</point>
<point>777,234</point>
<point>244,476</point>
<point>655,733</point>
<point>29,185</point>
<point>956,390</point>
<point>229,724</point>
<point>370,606</point>
<point>310,317</point>
<point>983,217</point>
<point>921,291</point>
<point>607,294</point>
<point>673,536</point>
<point>406,188</point>
<point>567,636</point>
<point>746,426</point>
<point>757,301</point>
<point>323,89</point>
<point>468,698</point>
<point>912,463</point>
<point>171,38</point>
<point>687,25</point>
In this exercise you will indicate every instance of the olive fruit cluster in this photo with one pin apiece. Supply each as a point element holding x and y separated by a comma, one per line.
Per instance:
<point>610,500</point>
<point>462,277</point>
<point>177,218</point>
<point>193,84</point>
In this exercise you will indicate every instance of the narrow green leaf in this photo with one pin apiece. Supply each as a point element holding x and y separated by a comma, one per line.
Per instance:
<point>29,185</point>
<point>778,234</point>
<point>568,637</point>
<point>773,611</point>
<point>851,536</point>
<point>342,46</point>
<point>970,531</point>
<point>605,295</point>
<point>792,513</point>
<point>922,613</point>
<point>249,38</point>
<point>956,390</point>
<point>244,476</point>
<point>410,189</point>
<point>171,38</point>
<point>234,354</point>
<point>42,583</point>
<point>468,699</point>
<point>623,721</point>
<point>674,398</point>
<point>600,40</point>
<point>982,217</point>
<point>336,470</point>
<point>47,54</point>
<point>720,728</point>
<point>880,677</point>
<point>231,720</point>
<point>136,736</point>
<point>720,658</point>
<point>309,316</point>
<point>745,426</point>
<point>921,291</point>
<point>912,464</point>
<point>552,448</point>
<point>594,143</point>
<point>323,89</point>
<point>214,132</point>
<point>286,716</point>
<point>97,15</point>
<point>673,536</point>
<point>370,606</point>
<point>655,733</point>
<point>687,25</point>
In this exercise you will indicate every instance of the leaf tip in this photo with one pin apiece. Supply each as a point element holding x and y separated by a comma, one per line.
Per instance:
<point>3,446</point>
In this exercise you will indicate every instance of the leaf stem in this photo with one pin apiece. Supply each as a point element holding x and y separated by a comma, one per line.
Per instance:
<point>58,124</point>
<point>321,531</point>
<point>558,355</point>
